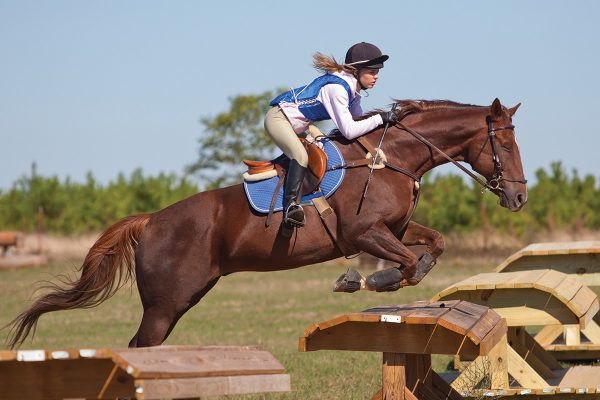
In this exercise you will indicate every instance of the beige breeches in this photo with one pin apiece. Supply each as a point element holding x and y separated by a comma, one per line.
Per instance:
<point>280,130</point>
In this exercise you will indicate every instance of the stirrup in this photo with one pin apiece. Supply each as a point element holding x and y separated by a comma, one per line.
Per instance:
<point>292,214</point>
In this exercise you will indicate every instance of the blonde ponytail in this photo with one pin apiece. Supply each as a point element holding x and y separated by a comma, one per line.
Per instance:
<point>324,63</point>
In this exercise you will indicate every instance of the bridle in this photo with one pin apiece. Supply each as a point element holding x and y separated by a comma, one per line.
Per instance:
<point>493,183</point>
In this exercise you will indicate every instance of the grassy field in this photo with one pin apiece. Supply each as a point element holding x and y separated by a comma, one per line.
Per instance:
<point>267,309</point>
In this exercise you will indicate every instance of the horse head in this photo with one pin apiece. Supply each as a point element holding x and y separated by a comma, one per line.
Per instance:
<point>494,153</point>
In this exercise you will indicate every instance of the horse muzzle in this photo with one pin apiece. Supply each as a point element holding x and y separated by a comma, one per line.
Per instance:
<point>513,201</point>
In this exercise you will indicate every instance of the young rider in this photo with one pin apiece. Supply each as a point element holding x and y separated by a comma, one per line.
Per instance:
<point>334,95</point>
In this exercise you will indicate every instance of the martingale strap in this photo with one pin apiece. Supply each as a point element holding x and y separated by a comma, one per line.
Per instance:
<point>364,142</point>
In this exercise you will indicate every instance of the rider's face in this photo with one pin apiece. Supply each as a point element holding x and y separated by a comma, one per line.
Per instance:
<point>368,77</point>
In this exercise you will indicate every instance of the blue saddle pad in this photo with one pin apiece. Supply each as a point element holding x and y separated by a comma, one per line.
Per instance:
<point>260,193</point>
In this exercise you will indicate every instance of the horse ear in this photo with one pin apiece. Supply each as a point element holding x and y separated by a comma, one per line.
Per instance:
<point>496,108</point>
<point>512,111</point>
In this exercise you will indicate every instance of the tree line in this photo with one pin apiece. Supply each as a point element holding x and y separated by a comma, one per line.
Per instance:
<point>558,200</point>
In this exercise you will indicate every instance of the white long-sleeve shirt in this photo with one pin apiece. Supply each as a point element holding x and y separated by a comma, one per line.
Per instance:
<point>335,100</point>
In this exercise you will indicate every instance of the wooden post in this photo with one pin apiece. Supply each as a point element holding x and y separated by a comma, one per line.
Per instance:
<point>499,365</point>
<point>394,376</point>
<point>572,335</point>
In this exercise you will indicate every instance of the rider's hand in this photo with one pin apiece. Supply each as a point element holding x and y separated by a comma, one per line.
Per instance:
<point>389,117</point>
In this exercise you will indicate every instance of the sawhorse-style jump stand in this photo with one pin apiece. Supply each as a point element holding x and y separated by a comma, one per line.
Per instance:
<point>164,372</point>
<point>407,335</point>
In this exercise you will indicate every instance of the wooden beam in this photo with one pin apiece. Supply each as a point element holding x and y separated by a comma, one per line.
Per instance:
<point>572,335</point>
<point>592,332</point>
<point>517,340</point>
<point>522,372</point>
<point>498,365</point>
<point>211,386</point>
<point>393,376</point>
<point>548,334</point>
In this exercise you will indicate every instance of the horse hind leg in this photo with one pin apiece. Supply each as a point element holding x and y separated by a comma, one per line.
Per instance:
<point>161,313</point>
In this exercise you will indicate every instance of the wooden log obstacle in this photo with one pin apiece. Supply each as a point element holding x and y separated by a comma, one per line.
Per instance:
<point>546,298</point>
<point>407,335</point>
<point>171,372</point>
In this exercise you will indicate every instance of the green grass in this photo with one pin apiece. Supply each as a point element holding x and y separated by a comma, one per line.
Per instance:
<point>267,309</point>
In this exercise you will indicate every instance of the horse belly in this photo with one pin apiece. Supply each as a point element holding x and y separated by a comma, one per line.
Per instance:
<point>269,251</point>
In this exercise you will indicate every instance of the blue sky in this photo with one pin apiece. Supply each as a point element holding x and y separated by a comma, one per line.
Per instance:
<point>109,86</point>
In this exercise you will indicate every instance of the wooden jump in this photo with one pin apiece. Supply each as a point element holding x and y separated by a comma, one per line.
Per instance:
<point>148,373</point>
<point>580,259</point>
<point>407,335</point>
<point>538,297</point>
<point>546,298</point>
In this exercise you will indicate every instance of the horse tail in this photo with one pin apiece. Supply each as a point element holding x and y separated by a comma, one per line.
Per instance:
<point>108,266</point>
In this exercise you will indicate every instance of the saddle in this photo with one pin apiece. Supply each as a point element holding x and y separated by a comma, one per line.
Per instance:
<point>317,166</point>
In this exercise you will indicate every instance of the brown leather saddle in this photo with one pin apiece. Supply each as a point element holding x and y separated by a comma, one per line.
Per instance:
<point>317,166</point>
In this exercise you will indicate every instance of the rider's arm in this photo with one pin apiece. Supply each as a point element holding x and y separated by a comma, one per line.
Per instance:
<point>335,100</point>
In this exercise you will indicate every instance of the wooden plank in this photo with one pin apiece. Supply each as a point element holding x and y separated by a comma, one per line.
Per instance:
<point>540,352</point>
<point>212,386</point>
<point>525,316</point>
<point>567,289</point>
<point>522,372</point>
<point>57,379</point>
<point>572,335</point>
<point>391,337</point>
<point>548,334</point>
<point>581,376</point>
<point>495,335</point>
<point>184,362</point>
<point>484,326</point>
<point>429,315</point>
<point>584,300</point>
<point>457,321</point>
<point>532,298</point>
<point>517,341</point>
<point>498,359</point>
<point>549,281</point>
<point>393,376</point>
<point>592,332</point>
<point>527,279</point>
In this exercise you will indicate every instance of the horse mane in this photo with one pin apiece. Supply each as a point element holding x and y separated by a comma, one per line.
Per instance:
<point>408,107</point>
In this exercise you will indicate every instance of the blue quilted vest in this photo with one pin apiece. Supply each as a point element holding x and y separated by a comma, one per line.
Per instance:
<point>306,97</point>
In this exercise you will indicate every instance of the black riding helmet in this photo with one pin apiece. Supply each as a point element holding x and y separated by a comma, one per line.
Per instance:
<point>365,55</point>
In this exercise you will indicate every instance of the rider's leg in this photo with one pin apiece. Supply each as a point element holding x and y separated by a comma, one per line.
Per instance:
<point>280,130</point>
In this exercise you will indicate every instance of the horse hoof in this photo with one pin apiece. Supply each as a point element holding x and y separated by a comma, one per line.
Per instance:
<point>348,282</point>
<point>426,263</point>
<point>388,280</point>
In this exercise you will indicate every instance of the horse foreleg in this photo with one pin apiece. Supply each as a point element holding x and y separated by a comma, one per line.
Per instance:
<point>417,234</point>
<point>380,242</point>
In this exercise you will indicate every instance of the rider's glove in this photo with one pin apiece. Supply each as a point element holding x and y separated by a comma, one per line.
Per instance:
<point>389,117</point>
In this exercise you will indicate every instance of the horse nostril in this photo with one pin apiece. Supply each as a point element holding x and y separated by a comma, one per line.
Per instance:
<point>521,198</point>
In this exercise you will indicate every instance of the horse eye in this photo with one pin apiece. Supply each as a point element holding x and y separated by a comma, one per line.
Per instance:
<point>507,148</point>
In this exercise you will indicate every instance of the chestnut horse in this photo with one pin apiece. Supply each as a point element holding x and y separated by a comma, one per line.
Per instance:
<point>179,253</point>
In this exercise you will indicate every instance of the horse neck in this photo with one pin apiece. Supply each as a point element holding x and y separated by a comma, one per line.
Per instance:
<point>449,129</point>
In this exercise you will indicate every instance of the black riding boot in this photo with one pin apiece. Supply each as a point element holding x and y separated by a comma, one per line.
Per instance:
<point>293,215</point>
